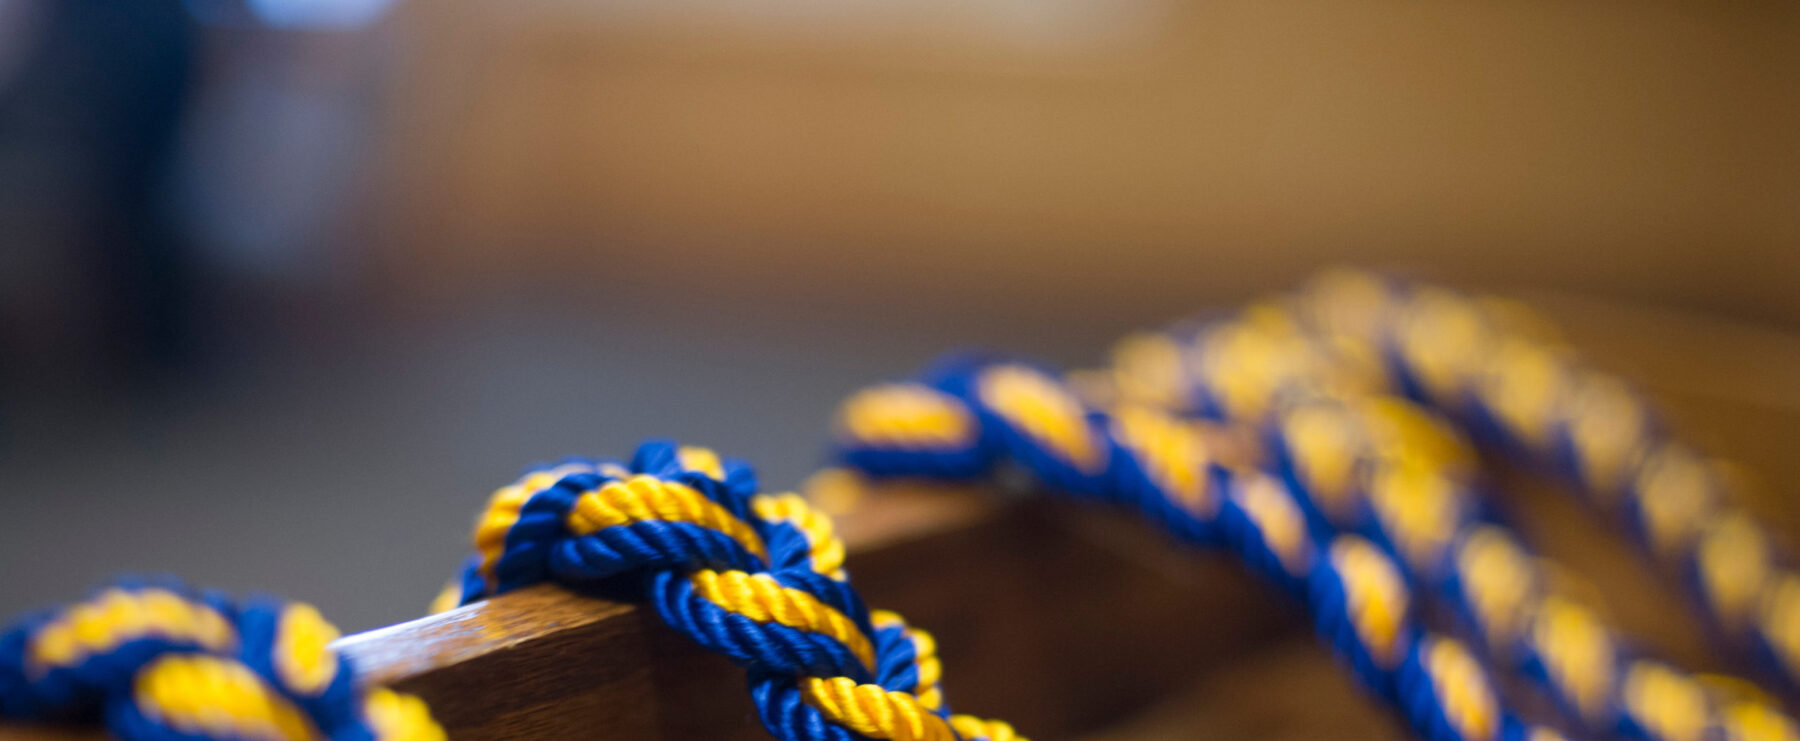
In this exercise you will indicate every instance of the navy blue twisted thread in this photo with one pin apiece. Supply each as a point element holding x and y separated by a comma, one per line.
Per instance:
<point>716,569</point>
<point>154,660</point>
<point>1431,514</point>
<point>1029,419</point>
<point>1504,374</point>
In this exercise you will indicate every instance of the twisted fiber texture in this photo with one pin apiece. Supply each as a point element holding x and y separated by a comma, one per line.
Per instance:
<point>758,578</point>
<point>1169,468</point>
<point>1388,468</point>
<point>159,661</point>
<point>1509,378</point>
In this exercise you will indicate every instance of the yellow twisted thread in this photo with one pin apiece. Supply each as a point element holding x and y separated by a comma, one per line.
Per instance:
<point>1147,368</point>
<point>1345,365</point>
<point>1756,721</point>
<point>219,698</point>
<point>1778,618</point>
<point>906,415</point>
<point>868,709</point>
<point>873,711</point>
<point>645,498</point>
<point>1444,339</point>
<point>1665,702</point>
<point>1524,383</point>
<point>1375,596</point>
<point>1045,410</point>
<point>1577,652</point>
<point>1462,689</point>
<point>1527,381</point>
<point>1513,359</point>
<point>1283,526</point>
<point>1321,438</point>
<point>1404,432</point>
<point>1342,314</point>
<point>925,658</point>
<point>1675,496</point>
<point>1352,307</point>
<point>400,717</point>
<point>971,727</point>
<point>763,599</point>
<point>447,599</point>
<point>825,549</point>
<point>1419,507</point>
<point>1173,453</point>
<point>701,460</point>
<point>1608,428</point>
<point>502,513</point>
<point>302,653</point>
<point>116,616</point>
<point>1732,556</point>
<point>1245,362</point>
<point>1498,581</point>
<point>836,490</point>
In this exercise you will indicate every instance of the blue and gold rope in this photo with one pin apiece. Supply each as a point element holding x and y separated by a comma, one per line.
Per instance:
<point>1158,462</point>
<point>1365,461</point>
<point>1517,387</point>
<point>1383,466</point>
<point>756,577</point>
<point>1365,501</point>
<point>160,662</point>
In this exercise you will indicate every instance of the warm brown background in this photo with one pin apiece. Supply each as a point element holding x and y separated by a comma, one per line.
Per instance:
<point>1128,157</point>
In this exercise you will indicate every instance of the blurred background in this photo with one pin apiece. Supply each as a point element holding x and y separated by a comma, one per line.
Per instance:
<point>288,286</point>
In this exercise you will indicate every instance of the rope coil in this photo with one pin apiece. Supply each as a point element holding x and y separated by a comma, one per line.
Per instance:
<point>1359,496</point>
<point>1383,468</point>
<point>756,577</point>
<point>159,661</point>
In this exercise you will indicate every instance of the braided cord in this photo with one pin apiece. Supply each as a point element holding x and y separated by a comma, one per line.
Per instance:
<point>1526,393</point>
<point>1380,465</point>
<point>1367,500</point>
<point>1518,388</point>
<point>1504,373</point>
<point>156,661</point>
<point>1165,466</point>
<point>756,577</point>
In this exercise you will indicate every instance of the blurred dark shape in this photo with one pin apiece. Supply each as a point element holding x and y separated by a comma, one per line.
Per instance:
<point>302,14</point>
<point>96,287</point>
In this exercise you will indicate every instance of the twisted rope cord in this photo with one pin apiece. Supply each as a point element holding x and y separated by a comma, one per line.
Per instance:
<point>758,578</point>
<point>157,661</point>
<point>970,415</point>
<point>1502,371</point>
<point>1506,375</point>
<point>1537,399</point>
<point>1384,467</point>
<point>822,668</point>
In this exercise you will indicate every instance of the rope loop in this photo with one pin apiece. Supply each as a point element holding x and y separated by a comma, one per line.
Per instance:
<point>154,660</point>
<point>758,578</point>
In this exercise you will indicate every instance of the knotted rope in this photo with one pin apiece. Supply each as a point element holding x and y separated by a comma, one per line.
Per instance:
<point>756,577</point>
